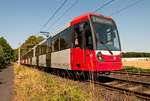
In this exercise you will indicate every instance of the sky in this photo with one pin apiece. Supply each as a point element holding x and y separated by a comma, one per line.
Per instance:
<point>20,19</point>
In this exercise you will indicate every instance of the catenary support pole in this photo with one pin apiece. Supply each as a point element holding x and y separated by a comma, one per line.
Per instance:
<point>19,53</point>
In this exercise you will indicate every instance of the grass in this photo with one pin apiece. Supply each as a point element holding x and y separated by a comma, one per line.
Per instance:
<point>135,69</point>
<point>34,85</point>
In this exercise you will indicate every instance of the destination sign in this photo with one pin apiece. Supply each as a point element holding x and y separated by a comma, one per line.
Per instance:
<point>102,20</point>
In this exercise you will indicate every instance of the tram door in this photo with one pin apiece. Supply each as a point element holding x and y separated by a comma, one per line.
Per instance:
<point>89,53</point>
<point>77,52</point>
<point>48,53</point>
<point>37,56</point>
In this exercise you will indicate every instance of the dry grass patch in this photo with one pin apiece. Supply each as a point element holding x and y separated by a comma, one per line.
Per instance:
<point>34,85</point>
<point>139,64</point>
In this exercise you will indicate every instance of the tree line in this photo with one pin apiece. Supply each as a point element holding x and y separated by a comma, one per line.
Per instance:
<point>7,54</point>
<point>27,45</point>
<point>135,54</point>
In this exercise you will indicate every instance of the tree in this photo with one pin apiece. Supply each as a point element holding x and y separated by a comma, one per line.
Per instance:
<point>2,62</point>
<point>15,54</point>
<point>6,52</point>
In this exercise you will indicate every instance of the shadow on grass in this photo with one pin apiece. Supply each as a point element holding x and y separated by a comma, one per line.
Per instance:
<point>76,75</point>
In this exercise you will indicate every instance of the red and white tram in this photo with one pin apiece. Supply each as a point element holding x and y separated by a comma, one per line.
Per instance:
<point>90,42</point>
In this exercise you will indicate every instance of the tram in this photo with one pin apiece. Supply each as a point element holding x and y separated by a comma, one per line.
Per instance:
<point>89,42</point>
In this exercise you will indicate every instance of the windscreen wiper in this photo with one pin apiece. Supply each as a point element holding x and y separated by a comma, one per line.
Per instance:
<point>106,47</point>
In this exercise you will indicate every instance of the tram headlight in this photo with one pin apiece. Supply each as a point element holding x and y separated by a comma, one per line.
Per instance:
<point>99,56</point>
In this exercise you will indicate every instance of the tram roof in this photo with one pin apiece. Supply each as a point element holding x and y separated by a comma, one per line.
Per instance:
<point>76,20</point>
<point>84,17</point>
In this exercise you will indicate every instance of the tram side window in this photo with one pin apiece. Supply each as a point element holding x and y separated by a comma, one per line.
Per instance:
<point>52,46</point>
<point>31,54</point>
<point>55,43</point>
<point>65,39</point>
<point>37,51</point>
<point>43,48</point>
<point>49,47</point>
<point>40,50</point>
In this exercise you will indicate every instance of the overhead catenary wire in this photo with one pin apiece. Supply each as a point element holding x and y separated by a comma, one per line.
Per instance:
<point>126,7</point>
<point>53,15</point>
<point>65,12</point>
<point>107,3</point>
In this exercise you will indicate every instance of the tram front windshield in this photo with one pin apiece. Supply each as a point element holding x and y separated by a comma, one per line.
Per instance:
<point>106,33</point>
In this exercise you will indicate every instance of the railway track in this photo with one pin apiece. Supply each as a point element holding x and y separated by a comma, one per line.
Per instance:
<point>138,89</point>
<point>132,73</point>
<point>129,87</point>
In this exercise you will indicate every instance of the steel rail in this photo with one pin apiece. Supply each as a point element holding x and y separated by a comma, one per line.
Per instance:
<point>125,90</point>
<point>132,73</point>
